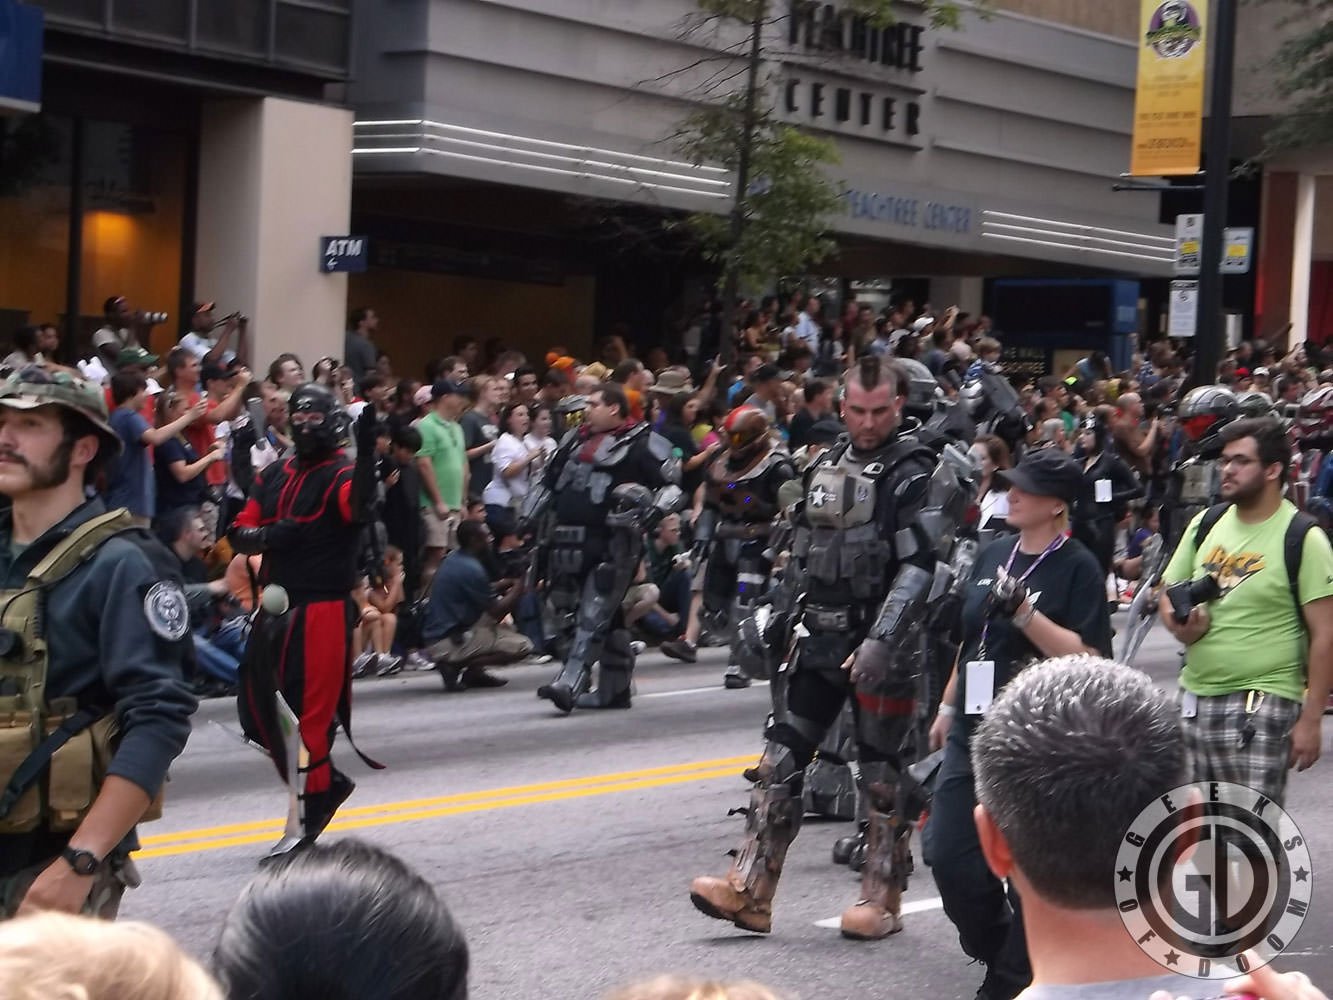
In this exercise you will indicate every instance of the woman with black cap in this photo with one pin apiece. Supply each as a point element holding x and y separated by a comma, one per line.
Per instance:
<point>1037,596</point>
<point>1108,487</point>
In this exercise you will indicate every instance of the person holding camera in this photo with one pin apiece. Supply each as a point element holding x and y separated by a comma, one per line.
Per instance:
<point>1039,595</point>
<point>463,631</point>
<point>1249,591</point>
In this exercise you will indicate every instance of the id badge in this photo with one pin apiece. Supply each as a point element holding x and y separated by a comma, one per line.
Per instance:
<point>1103,490</point>
<point>980,686</point>
<point>1189,704</point>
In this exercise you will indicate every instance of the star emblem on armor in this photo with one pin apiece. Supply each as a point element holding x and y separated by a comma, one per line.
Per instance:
<point>820,496</point>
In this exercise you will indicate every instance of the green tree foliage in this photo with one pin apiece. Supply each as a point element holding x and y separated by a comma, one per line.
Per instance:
<point>1304,65</point>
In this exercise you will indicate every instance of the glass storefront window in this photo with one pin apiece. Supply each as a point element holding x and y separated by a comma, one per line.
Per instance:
<point>34,219</point>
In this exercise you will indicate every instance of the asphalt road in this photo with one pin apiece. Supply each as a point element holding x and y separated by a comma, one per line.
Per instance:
<point>565,846</point>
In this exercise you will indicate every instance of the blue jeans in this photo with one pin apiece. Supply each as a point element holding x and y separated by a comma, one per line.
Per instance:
<point>528,619</point>
<point>214,661</point>
<point>675,597</point>
<point>989,920</point>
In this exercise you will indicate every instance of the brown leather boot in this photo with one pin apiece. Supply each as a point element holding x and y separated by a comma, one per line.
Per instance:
<point>883,880</point>
<point>745,895</point>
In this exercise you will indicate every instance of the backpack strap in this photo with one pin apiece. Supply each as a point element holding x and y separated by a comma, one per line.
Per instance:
<point>1293,547</point>
<point>1207,523</point>
<point>79,546</point>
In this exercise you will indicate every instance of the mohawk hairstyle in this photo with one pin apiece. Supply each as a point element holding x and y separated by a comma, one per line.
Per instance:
<point>871,371</point>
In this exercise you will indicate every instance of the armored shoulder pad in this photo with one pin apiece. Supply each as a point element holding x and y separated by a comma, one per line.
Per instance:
<point>659,447</point>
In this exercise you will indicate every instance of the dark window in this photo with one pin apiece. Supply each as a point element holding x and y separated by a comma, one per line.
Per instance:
<point>311,36</point>
<point>234,25</point>
<point>159,18</point>
<point>82,11</point>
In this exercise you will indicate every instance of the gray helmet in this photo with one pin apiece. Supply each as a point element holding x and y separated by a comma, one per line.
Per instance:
<point>631,506</point>
<point>920,387</point>
<point>1254,404</point>
<point>1205,411</point>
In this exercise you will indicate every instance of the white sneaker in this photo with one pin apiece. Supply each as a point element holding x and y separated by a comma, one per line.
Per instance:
<point>637,647</point>
<point>417,660</point>
<point>537,659</point>
<point>388,665</point>
<point>361,664</point>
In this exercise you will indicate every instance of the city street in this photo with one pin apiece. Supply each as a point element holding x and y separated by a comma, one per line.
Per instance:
<point>565,846</point>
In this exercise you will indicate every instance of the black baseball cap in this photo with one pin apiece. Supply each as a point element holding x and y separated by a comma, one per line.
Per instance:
<point>213,372</point>
<point>446,387</point>
<point>1045,472</point>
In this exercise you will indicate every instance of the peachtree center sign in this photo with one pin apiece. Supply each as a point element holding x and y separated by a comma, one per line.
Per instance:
<point>907,211</point>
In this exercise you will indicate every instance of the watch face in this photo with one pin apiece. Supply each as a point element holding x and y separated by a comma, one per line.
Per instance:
<point>83,862</point>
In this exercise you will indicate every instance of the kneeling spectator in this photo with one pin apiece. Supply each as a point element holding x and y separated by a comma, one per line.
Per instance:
<point>668,567</point>
<point>463,630</point>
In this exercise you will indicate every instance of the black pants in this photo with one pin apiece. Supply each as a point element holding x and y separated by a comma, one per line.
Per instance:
<point>989,919</point>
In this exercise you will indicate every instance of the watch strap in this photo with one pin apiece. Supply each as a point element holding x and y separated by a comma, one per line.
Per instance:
<point>83,862</point>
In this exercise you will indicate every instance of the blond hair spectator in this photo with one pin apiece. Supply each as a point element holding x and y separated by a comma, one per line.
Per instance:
<point>54,956</point>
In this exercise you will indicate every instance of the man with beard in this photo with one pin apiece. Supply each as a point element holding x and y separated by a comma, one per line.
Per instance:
<point>1251,717</point>
<point>106,682</point>
<point>305,516</point>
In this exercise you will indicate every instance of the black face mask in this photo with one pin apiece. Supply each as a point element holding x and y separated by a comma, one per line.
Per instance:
<point>314,420</point>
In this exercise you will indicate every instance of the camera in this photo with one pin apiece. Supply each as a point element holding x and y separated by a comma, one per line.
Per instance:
<point>153,319</point>
<point>514,563</point>
<point>1189,594</point>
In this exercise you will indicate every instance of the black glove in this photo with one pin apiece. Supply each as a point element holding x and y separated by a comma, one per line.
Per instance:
<point>365,428</point>
<point>872,663</point>
<point>1007,595</point>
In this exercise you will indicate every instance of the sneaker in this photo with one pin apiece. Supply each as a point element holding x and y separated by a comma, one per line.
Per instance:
<point>389,665</point>
<point>537,659</point>
<point>361,665</point>
<point>680,649</point>
<point>637,647</point>
<point>417,660</point>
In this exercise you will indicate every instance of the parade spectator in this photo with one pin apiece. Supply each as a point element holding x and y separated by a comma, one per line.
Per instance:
<point>1250,718</point>
<point>286,372</point>
<point>539,436</point>
<point>463,630</point>
<point>121,330</point>
<point>806,330</point>
<point>211,350</point>
<point>1108,487</point>
<point>1130,566</point>
<point>402,504</point>
<point>679,416</point>
<point>526,385</point>
<point>466,352</point>
<point>130,480</point>
<point>513,462</point>
<point>54,956</point>
<point>359,350</point>
<point>442,461</point>
<point>25,349</point>
<point>668,569</point>
<point>179,468</point>
<point>992,457</point>
<point>341,920</point>
<point>1120,747</point>
<point>1133,443</point>
<point>817,403</point>
<point>481,427</point>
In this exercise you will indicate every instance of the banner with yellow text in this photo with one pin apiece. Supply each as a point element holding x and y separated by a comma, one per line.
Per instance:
<point>1168,106</point>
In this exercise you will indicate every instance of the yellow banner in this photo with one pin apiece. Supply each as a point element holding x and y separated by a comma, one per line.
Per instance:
<point>1168,106</point>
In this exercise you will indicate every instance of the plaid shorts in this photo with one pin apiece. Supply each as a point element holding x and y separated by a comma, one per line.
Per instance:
<point>1222,749</point>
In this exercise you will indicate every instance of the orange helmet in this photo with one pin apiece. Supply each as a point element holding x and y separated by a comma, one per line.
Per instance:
<point>746,430</point>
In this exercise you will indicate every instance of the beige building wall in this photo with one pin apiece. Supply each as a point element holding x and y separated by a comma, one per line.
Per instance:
<point>274,176</point>
<point>1108,17</point>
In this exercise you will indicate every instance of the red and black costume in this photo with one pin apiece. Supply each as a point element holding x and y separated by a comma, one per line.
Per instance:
<point>305,516</point>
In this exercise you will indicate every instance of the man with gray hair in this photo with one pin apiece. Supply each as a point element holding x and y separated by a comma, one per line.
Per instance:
<point>1069,753</point>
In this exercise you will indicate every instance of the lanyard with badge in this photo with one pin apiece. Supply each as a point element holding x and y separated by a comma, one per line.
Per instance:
<point>980,673</point>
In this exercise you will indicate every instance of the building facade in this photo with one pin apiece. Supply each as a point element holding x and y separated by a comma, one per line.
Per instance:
<point>181,150</point>
<point>495,137</point>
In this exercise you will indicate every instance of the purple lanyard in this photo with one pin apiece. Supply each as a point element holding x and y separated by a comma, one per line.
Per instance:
<point>1056,542</point>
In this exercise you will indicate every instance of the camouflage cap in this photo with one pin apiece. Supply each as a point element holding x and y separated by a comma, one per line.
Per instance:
<point>34,386</point>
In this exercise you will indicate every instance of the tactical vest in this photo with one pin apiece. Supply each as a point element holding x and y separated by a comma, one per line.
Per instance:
<point>54,755</point>
<point>743,495</point>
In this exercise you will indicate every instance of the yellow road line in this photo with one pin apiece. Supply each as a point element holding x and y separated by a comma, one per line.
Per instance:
<point>238,834</point>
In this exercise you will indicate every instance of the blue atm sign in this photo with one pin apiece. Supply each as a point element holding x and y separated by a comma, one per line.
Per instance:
<point>343,253</point>
<point>20,57</point>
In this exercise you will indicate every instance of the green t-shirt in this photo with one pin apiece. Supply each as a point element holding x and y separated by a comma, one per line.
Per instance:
<point>1256,639</point>
<point>442,443</point>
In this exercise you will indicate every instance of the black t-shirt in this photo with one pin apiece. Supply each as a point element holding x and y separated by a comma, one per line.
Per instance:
<point>478,429</point>
<point>171,493</point>
<point>1068,588</point>
<point>683,441</point>
<point>798,431</point>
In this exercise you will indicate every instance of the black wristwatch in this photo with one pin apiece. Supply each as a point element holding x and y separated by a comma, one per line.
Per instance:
<point>83,862</point>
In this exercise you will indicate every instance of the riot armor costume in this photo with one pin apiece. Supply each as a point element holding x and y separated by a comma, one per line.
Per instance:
<point>876,516</point>
<point>733,530</point>
<point>606,487</point>
<point>1195,480</point>
<point>305,517</point>
<point>995,407</point>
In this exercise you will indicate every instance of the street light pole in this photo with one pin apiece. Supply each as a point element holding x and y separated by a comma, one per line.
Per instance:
<point>1211,332</point>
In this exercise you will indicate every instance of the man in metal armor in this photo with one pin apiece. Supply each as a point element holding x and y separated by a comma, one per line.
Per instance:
<point>606,487</point>
<point>877,519</point>
<point>731,536</point>
<point>995,406</point>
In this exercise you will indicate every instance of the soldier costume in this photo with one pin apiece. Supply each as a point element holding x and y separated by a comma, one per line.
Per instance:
<point>871,534</point>
<point>102,695</point>
<point>305,516</point>
<point>732,532</point>
<point>603,492</point>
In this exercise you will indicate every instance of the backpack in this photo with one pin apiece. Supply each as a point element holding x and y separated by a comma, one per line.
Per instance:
<point>1293,544</point>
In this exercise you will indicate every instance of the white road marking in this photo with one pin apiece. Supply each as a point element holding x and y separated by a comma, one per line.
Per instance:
<point>916,906</point>
<point>683,691</point>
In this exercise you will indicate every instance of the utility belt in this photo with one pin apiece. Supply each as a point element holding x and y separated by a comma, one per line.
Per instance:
<point>568,534</point>
<point>819,618</point>
<point>54,764</point>
<point>743,531</point>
